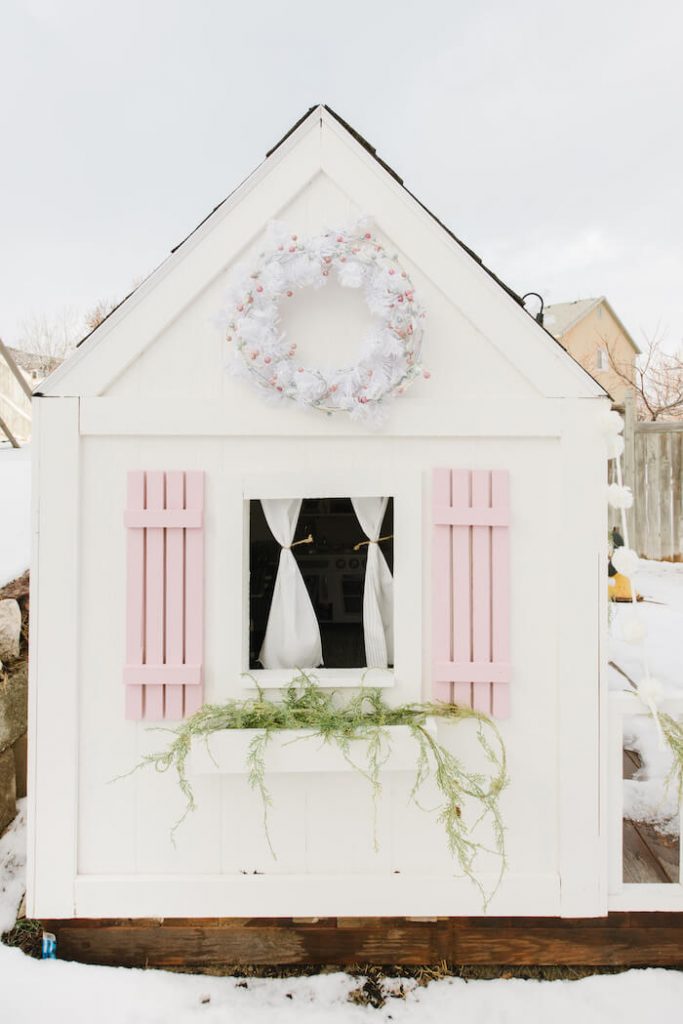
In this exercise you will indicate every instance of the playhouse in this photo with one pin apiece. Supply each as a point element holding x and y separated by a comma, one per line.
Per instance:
<point>214,512</point>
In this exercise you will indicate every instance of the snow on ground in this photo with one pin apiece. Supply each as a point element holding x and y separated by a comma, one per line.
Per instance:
<point>12,869</point>
<point>65,993</point>
<point>646,797</point>
<point>15,512</point>
<point>661,585</point>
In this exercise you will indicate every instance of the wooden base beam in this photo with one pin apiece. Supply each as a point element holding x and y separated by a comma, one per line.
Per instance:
<point>620,939</point>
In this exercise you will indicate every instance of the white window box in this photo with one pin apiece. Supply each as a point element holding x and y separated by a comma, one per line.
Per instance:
<point>298,750</point>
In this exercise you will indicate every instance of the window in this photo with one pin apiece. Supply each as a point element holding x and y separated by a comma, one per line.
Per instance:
<point>602,360</point>
<point>309,560</point>
<point>335,504</point>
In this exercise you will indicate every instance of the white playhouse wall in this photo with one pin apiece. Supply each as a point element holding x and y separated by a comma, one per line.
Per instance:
<point>500,396</point>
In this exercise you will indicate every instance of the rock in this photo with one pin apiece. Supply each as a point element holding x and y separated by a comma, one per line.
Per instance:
<point>13,705</point>
<point>8,791</point>
<point>10,629</point>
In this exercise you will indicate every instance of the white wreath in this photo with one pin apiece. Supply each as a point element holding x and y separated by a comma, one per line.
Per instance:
<point>260,351</point>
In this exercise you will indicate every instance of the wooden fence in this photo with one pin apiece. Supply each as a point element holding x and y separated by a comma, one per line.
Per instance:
<point>653,468</point>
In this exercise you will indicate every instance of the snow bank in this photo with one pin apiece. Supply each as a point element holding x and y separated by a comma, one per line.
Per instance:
<point>661,584</point>
<point>12,870</point>
<point>67,993</point>
<point>15,512</point>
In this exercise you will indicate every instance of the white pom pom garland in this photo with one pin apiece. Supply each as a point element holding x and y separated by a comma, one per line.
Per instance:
<point>619,496</point>
<point>615,446</point>
<point>612,423</point>
<point>625,561</point>
<point>633,629</point>
<point>650,691</point>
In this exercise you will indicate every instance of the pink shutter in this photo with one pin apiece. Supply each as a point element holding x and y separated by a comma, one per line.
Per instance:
<point>471,588</point>
<point>165,613</point>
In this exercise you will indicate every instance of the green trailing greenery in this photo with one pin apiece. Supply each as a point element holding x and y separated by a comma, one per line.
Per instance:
<point>469,799</point>
<point>673,734</point>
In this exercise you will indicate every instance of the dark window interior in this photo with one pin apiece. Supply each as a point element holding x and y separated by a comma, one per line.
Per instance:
<point>333,573</point>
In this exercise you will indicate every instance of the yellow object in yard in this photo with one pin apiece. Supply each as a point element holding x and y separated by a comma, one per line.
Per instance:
<point>619,588</point>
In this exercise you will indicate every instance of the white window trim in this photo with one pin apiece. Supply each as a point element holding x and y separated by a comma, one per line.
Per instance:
<point>602,360</point>
<point>406,491</point>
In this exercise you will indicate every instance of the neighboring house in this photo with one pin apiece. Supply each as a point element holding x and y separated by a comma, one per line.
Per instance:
<point>591,331</point>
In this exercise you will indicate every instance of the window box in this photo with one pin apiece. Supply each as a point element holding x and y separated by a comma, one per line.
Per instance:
<point>297,750</point>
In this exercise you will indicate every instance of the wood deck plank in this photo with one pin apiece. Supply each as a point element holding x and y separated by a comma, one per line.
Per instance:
<point>620,939</point>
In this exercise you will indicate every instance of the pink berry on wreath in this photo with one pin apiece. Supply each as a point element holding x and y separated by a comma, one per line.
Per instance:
<point>279,388</point>
<point>426,374</point>
<point>294,238</point>
<point>391,271</point>
<point>332,388</point>
<point>367,235</point>
<point>340,238</point>
<point>267,359</point>
<point>300,369</point>
<point>289,294</point>
<point>292,248</point>
<point>293,346</point>
<point>259,287</point>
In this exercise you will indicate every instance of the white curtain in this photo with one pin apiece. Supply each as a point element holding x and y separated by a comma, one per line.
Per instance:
<point>292,637</point>
<point>378,592</point>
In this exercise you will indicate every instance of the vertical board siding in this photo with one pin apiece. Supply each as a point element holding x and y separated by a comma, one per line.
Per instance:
<point>471,588</point>
<point>442,630</point>
<point>165,614</point>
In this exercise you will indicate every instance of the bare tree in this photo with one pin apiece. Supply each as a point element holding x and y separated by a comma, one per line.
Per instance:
<point>657,380</point>
<point>99,312</point>
<point>50,339</point>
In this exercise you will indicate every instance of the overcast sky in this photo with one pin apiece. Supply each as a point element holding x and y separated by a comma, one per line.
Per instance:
<point>548,135</point>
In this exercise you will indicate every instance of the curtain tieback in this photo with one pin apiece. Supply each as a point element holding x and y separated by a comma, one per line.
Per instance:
<point>363,543</point>
<point>306,540</point>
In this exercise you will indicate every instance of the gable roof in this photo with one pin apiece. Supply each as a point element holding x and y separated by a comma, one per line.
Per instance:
<point>561,317</point>
<point>324,117</point>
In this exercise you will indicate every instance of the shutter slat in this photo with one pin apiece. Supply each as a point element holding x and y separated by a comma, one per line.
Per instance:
<point>471,585</point>
<point>175,589</point>
<point>194,589</point>
<point>500,602</point>
<point>462,586</point>
<point>481,589</point>
<point>135,596</point>
<point>154,597</point>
